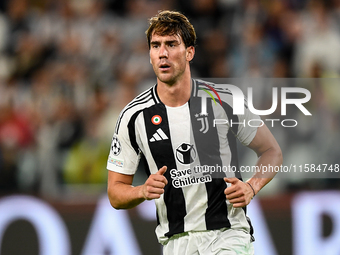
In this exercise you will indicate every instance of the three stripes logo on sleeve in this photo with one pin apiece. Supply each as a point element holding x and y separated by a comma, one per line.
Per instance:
<point>159,135</point>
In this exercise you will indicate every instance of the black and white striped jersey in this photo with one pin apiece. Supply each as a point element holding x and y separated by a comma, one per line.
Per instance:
<point>197,149</point>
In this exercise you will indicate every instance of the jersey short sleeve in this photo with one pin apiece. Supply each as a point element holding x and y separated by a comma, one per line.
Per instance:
<point>247,126</point>
<point>123,158</point>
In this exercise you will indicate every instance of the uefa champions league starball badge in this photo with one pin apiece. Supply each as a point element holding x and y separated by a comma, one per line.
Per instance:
<point>115,146</point>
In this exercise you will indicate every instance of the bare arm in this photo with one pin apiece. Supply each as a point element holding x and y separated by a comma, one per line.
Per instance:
<point>269,154</point>
<point>123,195</point>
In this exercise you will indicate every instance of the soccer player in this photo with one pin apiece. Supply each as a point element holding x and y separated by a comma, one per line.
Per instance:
<point>171,127</point>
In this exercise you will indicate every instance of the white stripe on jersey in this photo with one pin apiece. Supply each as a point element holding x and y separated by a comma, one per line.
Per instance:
<point>195,195</point>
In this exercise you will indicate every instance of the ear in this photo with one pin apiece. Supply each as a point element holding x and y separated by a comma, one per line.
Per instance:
<point>190,53</point>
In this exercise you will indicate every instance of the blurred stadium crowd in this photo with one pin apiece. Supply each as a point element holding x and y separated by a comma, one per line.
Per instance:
<point>68,67</point>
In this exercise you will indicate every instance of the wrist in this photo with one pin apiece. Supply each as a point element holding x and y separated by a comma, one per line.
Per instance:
<point>141,192</point>
<point>251,186</point>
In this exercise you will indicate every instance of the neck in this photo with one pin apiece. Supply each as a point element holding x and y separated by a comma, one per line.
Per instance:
<point>176,94</point>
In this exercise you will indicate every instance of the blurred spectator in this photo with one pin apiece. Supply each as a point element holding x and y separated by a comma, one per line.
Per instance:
<point>320,40</point>
<point>15,136</point>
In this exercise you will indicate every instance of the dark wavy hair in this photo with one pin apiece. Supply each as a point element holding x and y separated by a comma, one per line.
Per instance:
<point>172,23</point>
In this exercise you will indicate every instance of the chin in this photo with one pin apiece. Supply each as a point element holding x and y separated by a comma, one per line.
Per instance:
<point>167,80</point>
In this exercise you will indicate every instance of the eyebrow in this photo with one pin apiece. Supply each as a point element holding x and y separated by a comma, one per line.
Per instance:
<point>166,42</point>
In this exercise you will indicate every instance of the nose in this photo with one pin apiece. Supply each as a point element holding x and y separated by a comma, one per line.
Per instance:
<point>163,52</point>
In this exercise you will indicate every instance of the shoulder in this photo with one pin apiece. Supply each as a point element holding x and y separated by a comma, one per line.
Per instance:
<point>215,87</point>
<point>223,92</point>
<point>144,100</point>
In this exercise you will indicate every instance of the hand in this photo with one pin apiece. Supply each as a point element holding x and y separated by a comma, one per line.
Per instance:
<point>239,193</point>
<point>154,186</point>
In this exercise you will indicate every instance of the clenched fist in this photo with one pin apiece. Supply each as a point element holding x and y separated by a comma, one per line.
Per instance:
<point>239,193</point>
<point>153,188</point>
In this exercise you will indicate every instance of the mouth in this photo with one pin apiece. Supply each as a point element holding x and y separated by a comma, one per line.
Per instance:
<point>164,67</point>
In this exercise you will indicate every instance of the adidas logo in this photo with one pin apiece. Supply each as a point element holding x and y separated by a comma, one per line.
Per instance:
<point>158,136</point>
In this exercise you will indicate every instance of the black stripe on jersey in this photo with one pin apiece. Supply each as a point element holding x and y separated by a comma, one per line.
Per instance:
<point>234,157</point>
<point>162,153</point>
<point>208,149</point>
<point>231,136</point>
<point>142,94</point>
<point>155,95</point>
<point>143,164</point>
<point>141,99</point>
<point>222,91</point>
<point>132,132</point>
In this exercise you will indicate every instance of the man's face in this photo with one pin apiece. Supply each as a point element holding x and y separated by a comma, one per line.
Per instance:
<point>169,57</point>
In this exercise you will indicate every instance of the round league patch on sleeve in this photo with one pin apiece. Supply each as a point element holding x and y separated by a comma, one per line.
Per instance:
<point>116,147</point>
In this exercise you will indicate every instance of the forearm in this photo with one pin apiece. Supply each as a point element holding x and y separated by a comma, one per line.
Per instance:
<point>267,161</point>
<point>124,196</point>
